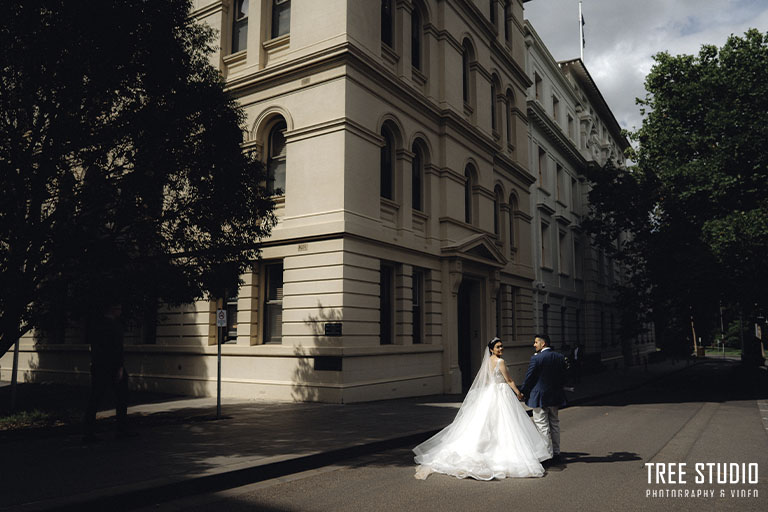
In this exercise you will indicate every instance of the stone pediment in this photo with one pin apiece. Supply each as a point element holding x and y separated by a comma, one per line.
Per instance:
<point>479,247</point>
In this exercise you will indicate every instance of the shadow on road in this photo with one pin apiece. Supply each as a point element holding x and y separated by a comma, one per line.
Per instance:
<point>709,381</point>
<point>576,457</point>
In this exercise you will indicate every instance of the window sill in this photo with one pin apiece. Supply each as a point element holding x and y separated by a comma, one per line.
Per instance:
<point>277,43</point>
<point>418,77</point>
<point>468,110</point>
<point>235,58</point>
<point>389,54</point>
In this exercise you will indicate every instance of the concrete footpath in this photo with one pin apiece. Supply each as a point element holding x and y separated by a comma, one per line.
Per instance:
<point>181,449</point>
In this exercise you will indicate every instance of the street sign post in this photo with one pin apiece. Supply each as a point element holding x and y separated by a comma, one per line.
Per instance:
<point>221,324</point>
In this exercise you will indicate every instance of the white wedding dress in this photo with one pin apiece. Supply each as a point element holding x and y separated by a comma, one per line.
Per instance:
<point>491,436</point>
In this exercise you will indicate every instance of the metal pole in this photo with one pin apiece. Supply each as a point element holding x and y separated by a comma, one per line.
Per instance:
<point>14,373</point>
<point>581,34</point>
<point>218,363</point>
<point>741,331</point>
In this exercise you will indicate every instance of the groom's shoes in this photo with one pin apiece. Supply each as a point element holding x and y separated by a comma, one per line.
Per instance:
<point>556,460</point>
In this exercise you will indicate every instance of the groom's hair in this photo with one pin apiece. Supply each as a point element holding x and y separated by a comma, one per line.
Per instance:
<point>543,337</point>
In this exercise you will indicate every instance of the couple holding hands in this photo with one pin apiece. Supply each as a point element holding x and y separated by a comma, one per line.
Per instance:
<point>492,436</point>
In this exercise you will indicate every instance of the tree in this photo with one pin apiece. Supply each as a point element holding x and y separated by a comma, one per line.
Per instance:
<point>696,202</point>
<point>122,179</point>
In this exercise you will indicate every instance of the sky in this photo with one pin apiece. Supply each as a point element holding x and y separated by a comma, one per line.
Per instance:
<point>623,35</point>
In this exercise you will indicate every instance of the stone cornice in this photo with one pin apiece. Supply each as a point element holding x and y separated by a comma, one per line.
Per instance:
<point>538,115</point>
<point>502,162</point>
<point>532,39</point>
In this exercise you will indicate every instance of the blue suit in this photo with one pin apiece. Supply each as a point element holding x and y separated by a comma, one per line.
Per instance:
<point>544,381</point>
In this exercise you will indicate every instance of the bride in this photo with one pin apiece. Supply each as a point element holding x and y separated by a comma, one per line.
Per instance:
<point>491,436</point>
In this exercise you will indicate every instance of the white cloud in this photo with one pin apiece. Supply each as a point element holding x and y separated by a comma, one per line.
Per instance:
<point>623,35</point>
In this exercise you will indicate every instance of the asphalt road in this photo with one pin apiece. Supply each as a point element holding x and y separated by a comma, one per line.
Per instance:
<point>710,413</point>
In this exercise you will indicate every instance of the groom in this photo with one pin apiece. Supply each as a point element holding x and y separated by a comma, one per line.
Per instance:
<point>543,389</point>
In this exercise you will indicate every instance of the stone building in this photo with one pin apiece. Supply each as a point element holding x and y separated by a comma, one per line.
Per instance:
<point>570,125</point>
<point>396,135</point>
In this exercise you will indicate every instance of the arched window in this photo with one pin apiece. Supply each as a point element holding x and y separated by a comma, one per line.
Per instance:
<point>387,163</point>
<point>507,15</point>
<point>276,159</point>
<point>469,183</point>
<point>512,210</point>
<point>281,17</point>
<point>493,12</point>
<point>497,199</point>
<point>240,26</point>
<point>417,178</point>
<point>416,33</point>
<point>466,55</point>
<point>387,17</point>
<point>494,120</point>
<point>511,132</point>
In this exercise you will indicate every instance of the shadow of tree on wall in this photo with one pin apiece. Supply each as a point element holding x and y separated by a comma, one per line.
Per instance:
<point>311,374</point>
<point>64,361</point>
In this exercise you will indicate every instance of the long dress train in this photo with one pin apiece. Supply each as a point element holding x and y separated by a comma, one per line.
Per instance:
<point>491,436</point>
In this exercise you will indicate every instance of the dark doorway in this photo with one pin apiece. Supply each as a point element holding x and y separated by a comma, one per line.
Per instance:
<point>468,315</point>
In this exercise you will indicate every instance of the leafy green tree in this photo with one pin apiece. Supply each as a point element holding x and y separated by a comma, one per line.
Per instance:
<point>122,179</point>
<point>696,202</point>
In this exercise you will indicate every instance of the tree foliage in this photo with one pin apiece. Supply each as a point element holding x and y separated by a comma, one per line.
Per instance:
<point>696,202</point>
<point>121,172</point>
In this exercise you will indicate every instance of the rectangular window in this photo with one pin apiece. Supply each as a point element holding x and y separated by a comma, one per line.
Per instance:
<point>600,266</point>
<point>579,265</point>
<point>417,298</point>
<point>386,22</point>
<point>542,167</point>
<point>578,327</point>
<point>555,108</point>
<point>545,246</point>
<point>570,127</point>
<point>273,303</point>
<point>563,315</point>
<point>386,311</point>
<point>512,312</point>
<point>574,195</point>
<point>602,330</point>
<point>559,177</point>
<point>281,17</point>
<point>537,86</point>
<point>499,311</point>
<point>231,306</point>
<point>240,26</point>
<point>563,252</point>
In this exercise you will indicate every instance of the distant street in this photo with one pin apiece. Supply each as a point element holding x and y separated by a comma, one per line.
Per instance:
<point>709,413</point>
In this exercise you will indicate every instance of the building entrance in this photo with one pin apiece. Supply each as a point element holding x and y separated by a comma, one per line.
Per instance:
<point>468,314</point>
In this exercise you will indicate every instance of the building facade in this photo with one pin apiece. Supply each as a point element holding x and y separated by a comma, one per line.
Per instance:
<point>397,138</point>
<point>570,125</point>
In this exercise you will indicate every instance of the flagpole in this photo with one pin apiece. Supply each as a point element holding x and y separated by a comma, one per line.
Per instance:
<point>581,33</point>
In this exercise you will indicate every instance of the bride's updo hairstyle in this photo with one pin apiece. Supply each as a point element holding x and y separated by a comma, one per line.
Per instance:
<point>492,344</point>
